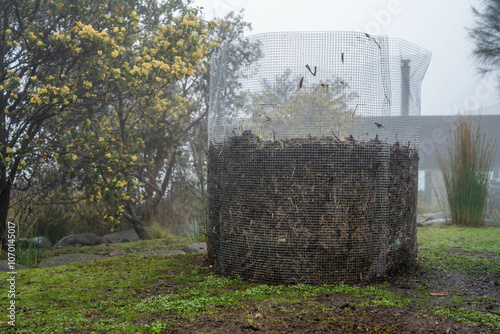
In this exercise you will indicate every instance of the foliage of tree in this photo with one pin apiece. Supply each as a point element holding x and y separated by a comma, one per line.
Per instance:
<point>286,109</point>
<point>179,164</point>
<point>486,35</point>
<point>80,83</point>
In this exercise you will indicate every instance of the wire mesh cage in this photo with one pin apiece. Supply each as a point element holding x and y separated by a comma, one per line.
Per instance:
<point>313,158</point>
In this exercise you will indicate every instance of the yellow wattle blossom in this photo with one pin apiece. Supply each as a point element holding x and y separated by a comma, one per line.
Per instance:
<point>134,158</point>
<point>64,89</point>
<point>99,53</point>
<point>114,54</point>
<point>35,99</point>
<point>73,157</point>
<point>108,155</point>
<point>23,163</point>
<point>40,43</point>
<point>7,159</point>
<point>9,150</point>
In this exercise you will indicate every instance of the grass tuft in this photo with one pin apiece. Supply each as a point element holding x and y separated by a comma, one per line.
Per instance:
<point>465,167</point>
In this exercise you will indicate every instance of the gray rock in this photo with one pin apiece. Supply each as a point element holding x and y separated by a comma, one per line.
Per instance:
<point>123,236</point>
<point>68,258</point>
<point>4,266</point>
<point>23,243</point>
<point>84,239</point>
<point>38,242</point>
<point>42,242</point>
<point>434,215</point>
<point>163,252</point>
<point>197,247</point>
<point>434,222</point>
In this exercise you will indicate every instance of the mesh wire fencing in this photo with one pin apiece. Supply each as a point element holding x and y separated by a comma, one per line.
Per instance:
<point>313,159</point>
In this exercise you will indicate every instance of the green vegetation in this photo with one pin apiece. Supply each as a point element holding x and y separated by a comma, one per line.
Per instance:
<point>469,317</point>
<point>153,294</point>
<point>465,168</point>
<point>460,248</point>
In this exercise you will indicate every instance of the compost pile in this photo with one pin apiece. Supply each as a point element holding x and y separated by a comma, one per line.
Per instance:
<point>311,210</point>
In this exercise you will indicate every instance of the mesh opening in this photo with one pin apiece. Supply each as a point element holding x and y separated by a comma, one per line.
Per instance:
<point>313,159</point>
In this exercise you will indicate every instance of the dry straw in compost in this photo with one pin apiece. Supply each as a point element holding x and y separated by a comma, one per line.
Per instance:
<point>313,159</point>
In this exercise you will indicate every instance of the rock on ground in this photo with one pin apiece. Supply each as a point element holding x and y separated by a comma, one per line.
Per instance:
<point>38,242</point>
<point>42,242</point>
<point>123,236</point>
<point>84,239</point>
<point>68,258</point>
<point>197,247</point>
<point>4,266</point>
<point>431,219</point>
<point>434,222</point>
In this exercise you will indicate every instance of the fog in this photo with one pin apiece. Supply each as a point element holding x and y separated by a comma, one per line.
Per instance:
<point>451,84</point>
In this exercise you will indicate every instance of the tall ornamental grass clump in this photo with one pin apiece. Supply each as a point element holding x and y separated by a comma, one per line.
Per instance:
<point>466,166</point>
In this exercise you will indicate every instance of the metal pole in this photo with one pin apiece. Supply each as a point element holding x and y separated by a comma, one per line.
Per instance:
<point>405,87</point>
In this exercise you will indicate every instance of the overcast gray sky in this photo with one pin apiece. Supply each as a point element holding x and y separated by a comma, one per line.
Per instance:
<point>451,83</point>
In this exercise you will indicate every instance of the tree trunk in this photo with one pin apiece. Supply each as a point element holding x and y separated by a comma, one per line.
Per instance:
<point>4,209</point>
<point>136,222</point>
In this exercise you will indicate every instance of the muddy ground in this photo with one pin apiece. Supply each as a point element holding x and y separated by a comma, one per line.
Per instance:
<point>342,313</point>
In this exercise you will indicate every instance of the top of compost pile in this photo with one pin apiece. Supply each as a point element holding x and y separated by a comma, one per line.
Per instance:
<point>249,138</point>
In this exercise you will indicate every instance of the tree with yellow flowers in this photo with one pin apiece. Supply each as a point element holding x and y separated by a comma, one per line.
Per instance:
<point>177,149</point>
<point>80,82</point>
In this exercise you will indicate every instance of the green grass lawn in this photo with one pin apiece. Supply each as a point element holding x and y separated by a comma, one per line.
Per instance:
<point>157,294</point>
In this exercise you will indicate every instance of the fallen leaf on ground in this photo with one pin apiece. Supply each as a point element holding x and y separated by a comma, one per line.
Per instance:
<point>114,253</point>
<point>444,293</point>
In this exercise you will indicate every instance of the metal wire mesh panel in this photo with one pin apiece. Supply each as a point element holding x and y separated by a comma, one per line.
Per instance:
<point>313,160</point>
